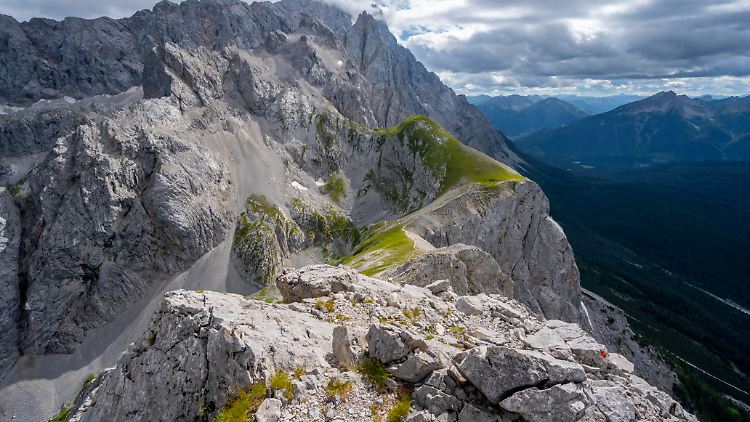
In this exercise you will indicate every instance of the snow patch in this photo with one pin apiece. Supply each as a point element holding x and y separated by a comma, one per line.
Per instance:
<point>298,186</point>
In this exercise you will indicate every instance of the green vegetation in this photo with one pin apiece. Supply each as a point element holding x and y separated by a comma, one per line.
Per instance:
<point>63,414</point>
<point>15,189</point>
<point>445,156</point>
<point>299,372</point>
<point>412,314</point>
<point>375,410</point>
<point>638,243</point>
<point>400,409</point>
<point>337,387</point>
<point>705,401</point>
<point>327,226</point>
<point>335,187</point>
<point>325,305</point>
<point>243,407</point>
<point>384,248</point>
<point>281,381</point>
<point>269,294</point>
<point>375,371</point>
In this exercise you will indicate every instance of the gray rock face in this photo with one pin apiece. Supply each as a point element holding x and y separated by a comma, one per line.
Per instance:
<point>540,262</point>
<point>108,56</point>
<point>315,281</point>
<point>214,345</point>
<point>10,300</point>
<point>408,87</point>
<point>141,205</point>
<point>498,371</point>
<point>468,269</point>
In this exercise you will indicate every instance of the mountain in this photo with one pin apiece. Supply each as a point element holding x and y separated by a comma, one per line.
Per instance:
<point>663,128</point>
<point>602,104</point>
<point>224,210</point>
<point>516,115</point>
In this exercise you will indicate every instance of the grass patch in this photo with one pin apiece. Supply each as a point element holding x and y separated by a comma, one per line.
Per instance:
<point>299,372</point>
<point>325,226</point>
<point>385,248</point>
<point>324,305</point>
<point>400,409</point>
<point>412,314</point>
<point>375,371</point>
<point>63,414</point>
<point>336,387</point>
<point>281,381</point>
<point>243,407</point>
<point>335,188</point>
<point>267,294</point>
<point>446,156</point>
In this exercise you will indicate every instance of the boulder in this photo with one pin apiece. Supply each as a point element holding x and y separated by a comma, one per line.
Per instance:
<point>548,340</point>
<point>343,348</point>
<point>468,269</point>
<point>611,400</point>
<point>471,305</point>
<point>436,401</point>
<point>470,413</point>
<point>385,344</point>
<point>497,371</point>
<point>269,411</point>
<point>314,281</point>
<point>559,403</point>
<point>585,349</point>
<point>416,367</point>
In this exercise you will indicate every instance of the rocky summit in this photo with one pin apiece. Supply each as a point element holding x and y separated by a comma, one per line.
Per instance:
<point>272,211</point>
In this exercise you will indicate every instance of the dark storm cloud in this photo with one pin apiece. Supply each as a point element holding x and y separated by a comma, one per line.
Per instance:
<point>498,45</point>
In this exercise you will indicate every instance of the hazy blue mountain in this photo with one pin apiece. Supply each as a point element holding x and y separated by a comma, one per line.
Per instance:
<point>517,115</point>
<point>596,105</point>
<point>663,128</point>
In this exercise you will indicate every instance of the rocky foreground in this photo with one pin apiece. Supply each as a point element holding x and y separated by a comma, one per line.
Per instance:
<point>348,347</point>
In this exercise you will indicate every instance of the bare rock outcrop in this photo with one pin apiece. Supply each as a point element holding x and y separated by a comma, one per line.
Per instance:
<point>468,269</point>
<point>203,349</point>
<point>511,222</point>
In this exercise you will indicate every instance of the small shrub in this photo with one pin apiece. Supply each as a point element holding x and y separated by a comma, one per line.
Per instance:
<point>299,372</point>
<point>400,409</point>
<point>335,187</point>
<point>412,314</point>
<point>375,410</point>
<point>375,371</point>
<point>200,291</point>
<point>243,407</point>
<point>281,381</point>
<point>336,387</point>
<point>340,317</point>
<point>324,305</point>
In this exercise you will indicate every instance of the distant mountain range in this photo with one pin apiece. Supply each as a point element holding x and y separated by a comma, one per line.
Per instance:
<point>663,128</point>
<point>596,105</point>
<point>517,115</point>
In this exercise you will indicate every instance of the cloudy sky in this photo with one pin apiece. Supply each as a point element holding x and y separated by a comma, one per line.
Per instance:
<point>542,46</point>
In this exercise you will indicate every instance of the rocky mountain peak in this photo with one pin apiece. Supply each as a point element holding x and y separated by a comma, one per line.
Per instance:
<point>317,168</point>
